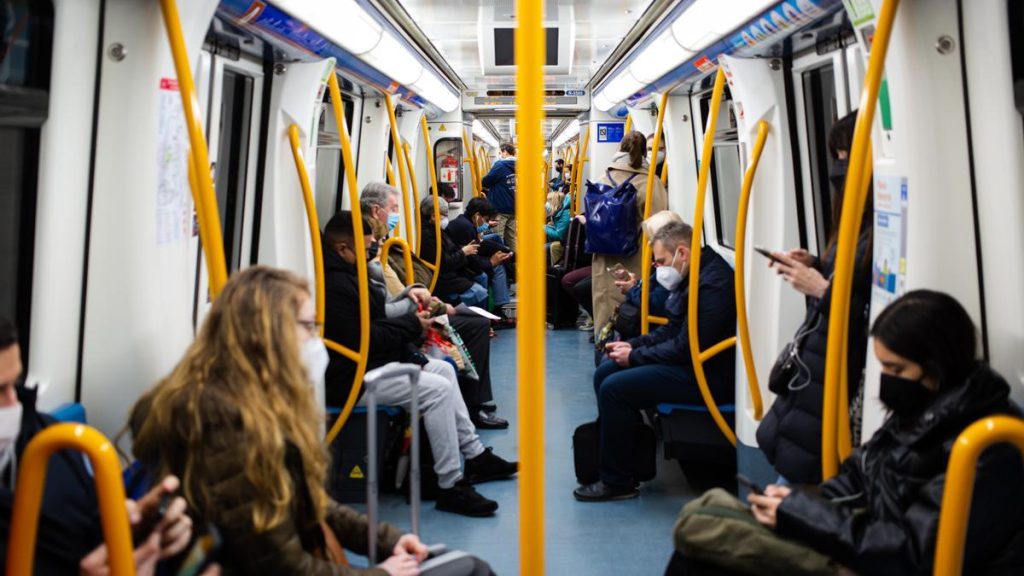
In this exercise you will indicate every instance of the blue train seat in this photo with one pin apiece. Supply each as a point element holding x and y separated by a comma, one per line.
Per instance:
<point>72,412</point>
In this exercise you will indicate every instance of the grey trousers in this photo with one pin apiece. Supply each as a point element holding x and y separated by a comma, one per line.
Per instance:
<point>445,416</point>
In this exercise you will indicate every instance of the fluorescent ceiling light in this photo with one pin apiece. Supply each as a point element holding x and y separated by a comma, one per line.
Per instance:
<point>705,21</point>
<point>343,21</point>
<point>429,87</point>
<point>622,87</point>
<point>480,132</point>
<point>659,59</point>
<point>573,129</point>
<point>602,103</point>
<point>393,59</point>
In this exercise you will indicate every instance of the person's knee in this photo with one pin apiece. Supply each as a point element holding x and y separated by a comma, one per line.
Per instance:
<point>612,390</point>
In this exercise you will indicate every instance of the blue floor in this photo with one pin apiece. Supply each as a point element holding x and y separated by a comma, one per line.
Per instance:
<point>620,538</point>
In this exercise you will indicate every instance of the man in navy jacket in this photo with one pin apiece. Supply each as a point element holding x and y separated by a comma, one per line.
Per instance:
<point>655,368</point>
<point>500,185</point>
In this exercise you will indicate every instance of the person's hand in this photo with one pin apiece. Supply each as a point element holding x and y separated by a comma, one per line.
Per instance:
<point>410,544</point>
<point>450,310</point>
<point>426,322</point>
<point>146,556</point>
<point>581,218</point>
<point>499,258</point>
<point>470,249</point>
<point>804,279</point>
<point>400,564</point>
<point>802,256</point>
<point>620,354</point>
<point>627,285</point>
<point>765,507</point>
<point>420,296</point>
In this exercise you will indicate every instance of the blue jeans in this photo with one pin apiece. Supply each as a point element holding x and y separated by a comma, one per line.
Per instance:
<point>500,286</point>
<point>621,394</point>
<point>476,295</point>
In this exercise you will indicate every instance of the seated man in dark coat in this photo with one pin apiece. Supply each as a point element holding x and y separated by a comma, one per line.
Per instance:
<point>656,368</point>
<point>460,280</point>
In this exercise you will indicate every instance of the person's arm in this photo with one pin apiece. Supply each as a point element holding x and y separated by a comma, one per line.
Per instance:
<point>342,313</point>
<point>496,175</point>
<point>350,528</point>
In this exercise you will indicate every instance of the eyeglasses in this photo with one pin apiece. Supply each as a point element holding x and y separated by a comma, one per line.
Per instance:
<point>312,326</point>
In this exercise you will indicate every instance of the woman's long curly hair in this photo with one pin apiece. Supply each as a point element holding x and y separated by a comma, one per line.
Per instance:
<point>244,376</point>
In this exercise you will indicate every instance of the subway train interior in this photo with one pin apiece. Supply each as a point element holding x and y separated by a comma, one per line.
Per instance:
<point>153,150</point>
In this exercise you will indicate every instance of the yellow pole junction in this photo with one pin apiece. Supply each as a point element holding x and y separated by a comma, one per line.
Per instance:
<point>743,327</point>
<point>402,168</point>
<point>204,196</point>
<point>24,528</point>
<point>697,357</point>
<point>314,224</point>
<point>468,145</point>
<point>645,242</point>
<point>362,278</point>
<point>436,267</point>
<point>854,199</point>
<point>960,475</point>
<point>530,337</point>
<point>407,150</point>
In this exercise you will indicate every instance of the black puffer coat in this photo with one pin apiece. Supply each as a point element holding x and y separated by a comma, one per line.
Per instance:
<point>790,434</point>
<point>880,515</point>
<point>457,269</point>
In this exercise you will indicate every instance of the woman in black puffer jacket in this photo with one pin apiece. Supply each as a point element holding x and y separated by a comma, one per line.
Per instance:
<point>880,514</point>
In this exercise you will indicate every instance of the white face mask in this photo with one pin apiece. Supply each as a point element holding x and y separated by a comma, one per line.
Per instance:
<point>315,358</point>
<point>668,276</point>
<point>444,223</point>
<point>660,158</point>
<point>10,428</point>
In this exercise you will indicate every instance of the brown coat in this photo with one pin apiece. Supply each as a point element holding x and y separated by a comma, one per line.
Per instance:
<point>607,296</point>
<point>294,546</point>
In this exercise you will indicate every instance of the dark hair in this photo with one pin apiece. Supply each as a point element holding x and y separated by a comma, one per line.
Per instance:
<point>447,191</point>
<point>840,137</point>
<point>480,206</point>
<point>635,144</point>
<point>932,329</point>
<point>508,148</point>
<point>339,228</point>
<point>559,161</point>
<point>8,333</point>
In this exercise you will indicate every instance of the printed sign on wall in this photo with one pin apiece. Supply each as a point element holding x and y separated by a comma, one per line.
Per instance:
<point>610,132</point>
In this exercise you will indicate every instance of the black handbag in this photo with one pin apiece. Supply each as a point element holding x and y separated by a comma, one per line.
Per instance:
<point>789,372</point>
<point>586,447</point>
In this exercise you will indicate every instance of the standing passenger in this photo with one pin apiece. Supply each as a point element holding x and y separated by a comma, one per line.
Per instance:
<point>628,161</point>
<point>500,186</point>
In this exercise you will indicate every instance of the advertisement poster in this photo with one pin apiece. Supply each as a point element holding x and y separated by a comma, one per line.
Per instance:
<point>173,195</point>
<point>889,266</point>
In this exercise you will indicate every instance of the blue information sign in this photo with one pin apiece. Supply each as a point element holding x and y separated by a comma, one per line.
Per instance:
<point>610,132</point>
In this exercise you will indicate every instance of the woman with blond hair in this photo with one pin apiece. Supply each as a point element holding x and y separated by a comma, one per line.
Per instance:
<point>237,421</point>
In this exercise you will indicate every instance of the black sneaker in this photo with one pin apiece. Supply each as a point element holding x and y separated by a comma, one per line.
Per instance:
<point>487,467</point>
<point>601,492</point>
<point>465,500</point>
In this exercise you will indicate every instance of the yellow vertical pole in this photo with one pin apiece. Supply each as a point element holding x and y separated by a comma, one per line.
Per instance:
<point>846,248</point>
<point>581,160</point>
<point>204,196</point>
<point>415,195</point>
<point>664,170</point>
<point>314,225</point>
<point>468,145</point>
<point>361,273</point>
<point>390,172</point>
<point>402,168</point>
<point>109,491</point>
<point>529,57</point>
<point>645,244</point>
<point>960,473</point>
<point>437,205</point>
<point>629,124</point>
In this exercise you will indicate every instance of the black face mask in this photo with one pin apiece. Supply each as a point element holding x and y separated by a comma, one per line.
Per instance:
<point>906,398</point>
<point>837,175</point>
<point>371,251</point>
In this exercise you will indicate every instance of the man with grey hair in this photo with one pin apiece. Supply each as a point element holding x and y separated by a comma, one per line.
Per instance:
<point>656,368</point>
<point>379,203</point>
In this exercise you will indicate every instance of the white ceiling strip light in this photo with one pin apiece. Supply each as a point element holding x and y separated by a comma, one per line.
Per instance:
<point>484,134</point>
<point>346,24</point>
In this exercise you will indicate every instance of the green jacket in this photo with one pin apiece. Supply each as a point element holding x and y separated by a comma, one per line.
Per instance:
<point>559,227</point>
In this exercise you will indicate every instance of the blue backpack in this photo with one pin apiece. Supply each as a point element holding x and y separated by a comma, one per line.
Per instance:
<point>612,216</point>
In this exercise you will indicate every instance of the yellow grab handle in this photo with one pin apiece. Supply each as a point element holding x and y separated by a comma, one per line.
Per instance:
<point>472,163</point>
<point>117,535</point>
<point>577,181</point>
<point>696,356</point>
<point>314,225</point>
<point>436,267</point>
<point>203,194</point>
<point>402,168</point>
<point>390,172</point>
<point>529,57</point>
<point>664,173</point>
<point>343,350</point>
<point>645,242</point>
<point>960,473</point>
<point>410,276</point>
<point>415,194</point>
<point>846,246</point>
<point>743,326</point>
<point>361,272</point>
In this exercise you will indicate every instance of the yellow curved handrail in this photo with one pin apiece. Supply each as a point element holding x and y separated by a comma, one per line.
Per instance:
<point>204,196</point>
<point>314,224</point>
<point>645,242</point>
<point>581,160</point>
<point>403,171</point>
<point>407,150</point>
<point>743,326</point>
<point>390,172</point>
<point>436,267</point>
<point>846,248</point>
<point>960,473</point>
<point>529,57</point>
<point>117,534</point>
<point>664,173</point>
<point>697,357</point>
<point>361,273</point>
<point>410,275</point>
<point>468,146</point>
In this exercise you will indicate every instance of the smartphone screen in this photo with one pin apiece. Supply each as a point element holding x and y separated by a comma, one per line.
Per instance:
<point>201,553</point>
<point>749,484</point>
<point>767,254</point>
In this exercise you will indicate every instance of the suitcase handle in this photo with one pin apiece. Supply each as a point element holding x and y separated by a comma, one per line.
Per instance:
<point>374,378</point>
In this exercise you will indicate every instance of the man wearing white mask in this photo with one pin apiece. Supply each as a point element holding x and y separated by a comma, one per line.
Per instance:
<point>69,538</point>
<point>656,368</point>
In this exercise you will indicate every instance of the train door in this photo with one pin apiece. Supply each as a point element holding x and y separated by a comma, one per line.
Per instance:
<point>330,167</point>
<point>448,157</point>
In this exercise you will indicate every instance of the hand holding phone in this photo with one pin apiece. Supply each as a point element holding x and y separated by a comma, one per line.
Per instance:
<point>619,272</point>
<point>749,484</point>
<point>202,554</point>
<point>768,254</point>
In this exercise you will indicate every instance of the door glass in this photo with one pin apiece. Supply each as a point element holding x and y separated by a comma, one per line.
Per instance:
<point>728,177</point>
<point>820,113</point>
<point>448,157</point>
<point>233,161</point>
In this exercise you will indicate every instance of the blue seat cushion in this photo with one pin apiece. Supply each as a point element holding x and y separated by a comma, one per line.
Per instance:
<point>667,408</point>
<point>70,413</point>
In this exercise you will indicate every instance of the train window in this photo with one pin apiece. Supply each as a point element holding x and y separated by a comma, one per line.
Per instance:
<point>820,113</point>
<point>448,156</point>
<point>330,167</point>
<point>232,168</point>
<point>728,178</point>
<point>26,41</point>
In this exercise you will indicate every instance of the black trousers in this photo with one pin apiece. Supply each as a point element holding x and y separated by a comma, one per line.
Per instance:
<point>476,335</point>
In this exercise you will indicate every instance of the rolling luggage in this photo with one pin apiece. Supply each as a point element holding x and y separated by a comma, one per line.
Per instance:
<point>575,244</point>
